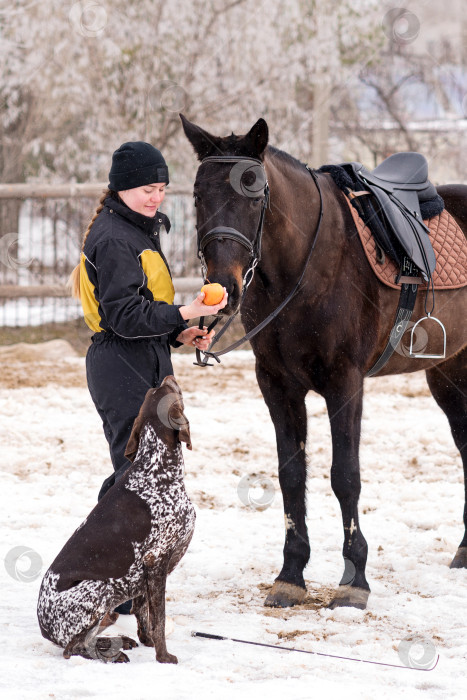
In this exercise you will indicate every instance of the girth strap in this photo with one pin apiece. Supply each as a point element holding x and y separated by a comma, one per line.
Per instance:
<point>404,312</point>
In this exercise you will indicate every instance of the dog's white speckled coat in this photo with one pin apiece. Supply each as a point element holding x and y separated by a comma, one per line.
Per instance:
<point>156,476</point>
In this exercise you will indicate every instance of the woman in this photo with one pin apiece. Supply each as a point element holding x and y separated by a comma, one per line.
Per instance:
<point>127,294</point>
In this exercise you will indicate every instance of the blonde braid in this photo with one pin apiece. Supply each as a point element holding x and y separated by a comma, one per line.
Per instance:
<point>73,283</point>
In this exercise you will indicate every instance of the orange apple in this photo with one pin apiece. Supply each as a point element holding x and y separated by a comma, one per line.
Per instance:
<point>213,293</point>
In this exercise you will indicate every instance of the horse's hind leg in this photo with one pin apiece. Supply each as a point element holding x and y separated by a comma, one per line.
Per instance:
<point>448,384</point>
<point>344,403</point>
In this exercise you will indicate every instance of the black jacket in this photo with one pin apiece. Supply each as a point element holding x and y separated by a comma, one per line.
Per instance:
<point>125,281</point>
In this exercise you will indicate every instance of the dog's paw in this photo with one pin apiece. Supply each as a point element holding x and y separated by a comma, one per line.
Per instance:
<point>166,658</point>
<point>128,642</point>
<point>108,649</point>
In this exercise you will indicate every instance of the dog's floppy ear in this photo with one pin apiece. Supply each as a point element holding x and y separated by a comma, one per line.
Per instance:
<point>177,418</point>
<point>180,422</point>
<point>184,433</point>
<point>133,442</point>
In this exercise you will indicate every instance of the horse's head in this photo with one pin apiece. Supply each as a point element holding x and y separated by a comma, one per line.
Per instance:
<point>230,193</point>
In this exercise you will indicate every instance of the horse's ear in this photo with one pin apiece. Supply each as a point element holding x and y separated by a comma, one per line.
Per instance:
<point>205,144</point>
<point>256,139</point>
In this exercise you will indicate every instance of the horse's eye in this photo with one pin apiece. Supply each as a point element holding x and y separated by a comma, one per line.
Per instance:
<point>196,197</point>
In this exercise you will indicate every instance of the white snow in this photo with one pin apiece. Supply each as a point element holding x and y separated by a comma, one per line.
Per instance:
<point>54,458</point>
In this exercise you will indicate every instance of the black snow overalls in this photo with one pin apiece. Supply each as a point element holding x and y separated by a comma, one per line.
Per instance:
<point>127,297</point>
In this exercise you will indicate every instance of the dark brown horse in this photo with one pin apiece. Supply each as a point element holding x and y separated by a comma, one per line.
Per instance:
<point>327,337</point>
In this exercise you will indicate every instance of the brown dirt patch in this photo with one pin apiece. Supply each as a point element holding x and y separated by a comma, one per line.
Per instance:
<point>40,364</point>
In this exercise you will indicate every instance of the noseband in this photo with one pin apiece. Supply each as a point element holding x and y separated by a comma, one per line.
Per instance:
<point>226,232</point>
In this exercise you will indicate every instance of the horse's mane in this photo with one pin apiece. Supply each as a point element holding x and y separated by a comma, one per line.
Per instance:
<point>272,152</point>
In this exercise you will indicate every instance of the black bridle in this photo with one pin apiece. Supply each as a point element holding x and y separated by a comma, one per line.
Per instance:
<point>220,232</point>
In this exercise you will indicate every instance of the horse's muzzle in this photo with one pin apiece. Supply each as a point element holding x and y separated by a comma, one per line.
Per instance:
<point>233,290</point>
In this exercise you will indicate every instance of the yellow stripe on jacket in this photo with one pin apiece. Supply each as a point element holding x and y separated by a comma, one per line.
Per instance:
<point>159,281</point>
<point>88,299</point>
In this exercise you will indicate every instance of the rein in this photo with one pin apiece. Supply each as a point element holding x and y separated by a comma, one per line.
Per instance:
<point>250,272</point>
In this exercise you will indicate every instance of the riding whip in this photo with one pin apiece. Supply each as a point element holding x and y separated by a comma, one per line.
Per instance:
<point>217,637</point>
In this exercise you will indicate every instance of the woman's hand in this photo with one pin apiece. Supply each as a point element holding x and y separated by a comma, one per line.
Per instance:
<point>197,308</point>
<point>199,337</point>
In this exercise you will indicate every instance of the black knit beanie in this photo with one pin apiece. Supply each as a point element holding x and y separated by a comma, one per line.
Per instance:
<point>137,163</point>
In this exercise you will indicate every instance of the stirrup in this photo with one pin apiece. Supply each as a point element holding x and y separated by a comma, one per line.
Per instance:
<point>433,356</point>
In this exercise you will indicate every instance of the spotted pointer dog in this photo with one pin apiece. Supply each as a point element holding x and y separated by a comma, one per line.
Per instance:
<point>129,543</point>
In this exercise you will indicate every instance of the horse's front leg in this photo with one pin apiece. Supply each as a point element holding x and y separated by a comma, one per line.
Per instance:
<point>344,404</point>
<point>286,404</point>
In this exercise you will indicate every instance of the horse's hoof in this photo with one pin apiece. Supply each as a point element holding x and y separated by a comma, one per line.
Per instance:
<point>460,560</point>
<point>285,595</point>
<point>349,597</point>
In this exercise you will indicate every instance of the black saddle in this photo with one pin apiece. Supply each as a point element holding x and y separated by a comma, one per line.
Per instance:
<point>399,185</point>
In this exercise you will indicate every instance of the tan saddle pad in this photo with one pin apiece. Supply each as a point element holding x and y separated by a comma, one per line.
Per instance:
<point>449,244</point>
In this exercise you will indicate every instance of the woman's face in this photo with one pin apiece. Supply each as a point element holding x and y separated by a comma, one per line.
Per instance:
<point>145,199</point>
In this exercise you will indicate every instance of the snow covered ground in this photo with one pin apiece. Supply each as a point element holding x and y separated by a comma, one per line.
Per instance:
<point>54,458</point>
